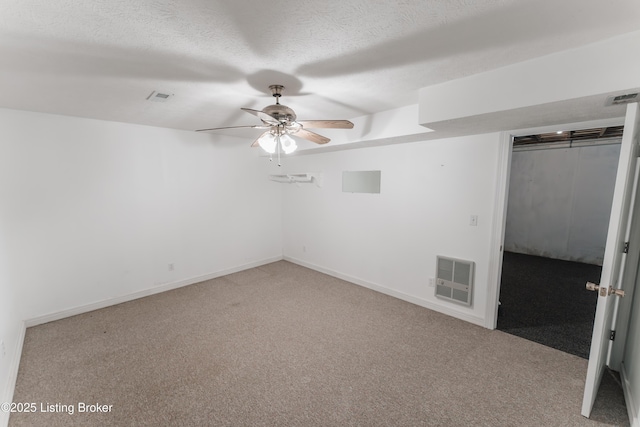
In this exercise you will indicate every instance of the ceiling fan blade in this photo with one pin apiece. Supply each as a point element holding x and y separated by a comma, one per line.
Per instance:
<point>262,116</point>
<point>235,127</point>
<point>255,143</point>
<point>311,136</point>
<point>328,124</point>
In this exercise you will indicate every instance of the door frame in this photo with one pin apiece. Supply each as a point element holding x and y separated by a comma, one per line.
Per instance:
<point>503,175</point>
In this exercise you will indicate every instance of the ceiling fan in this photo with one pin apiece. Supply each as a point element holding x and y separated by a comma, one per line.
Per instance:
<point>280,121</point>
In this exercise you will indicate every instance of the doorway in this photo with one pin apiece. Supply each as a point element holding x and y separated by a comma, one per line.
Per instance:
<point>560,191</point>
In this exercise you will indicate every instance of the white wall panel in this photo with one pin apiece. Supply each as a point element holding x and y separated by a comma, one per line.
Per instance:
<point>560,202</point>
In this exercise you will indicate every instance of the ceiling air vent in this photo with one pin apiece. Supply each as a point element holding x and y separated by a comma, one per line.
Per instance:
<point>623,99</point>
<point>159,97</point>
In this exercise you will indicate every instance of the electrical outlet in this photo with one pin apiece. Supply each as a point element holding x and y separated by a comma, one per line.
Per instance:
<point>171,267</point>
<point>432,282</point>
<point>473,221</point>
<point>3,350</point>
<point>304,248</point>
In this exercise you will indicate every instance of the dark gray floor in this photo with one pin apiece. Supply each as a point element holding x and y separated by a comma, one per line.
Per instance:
<point>545,300</point>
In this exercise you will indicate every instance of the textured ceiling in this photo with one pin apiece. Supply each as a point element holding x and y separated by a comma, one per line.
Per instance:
<point>337,59</point>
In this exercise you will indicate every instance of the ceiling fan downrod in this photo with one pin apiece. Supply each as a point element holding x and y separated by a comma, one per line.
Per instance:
<point>276,92</point>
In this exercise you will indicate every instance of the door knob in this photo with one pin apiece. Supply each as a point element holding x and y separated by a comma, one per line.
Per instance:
<point>593,287</point>
<point>603,292</point>
<point>616,292</point>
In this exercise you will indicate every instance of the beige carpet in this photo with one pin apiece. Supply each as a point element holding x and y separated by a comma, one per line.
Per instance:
<point>282,345</point>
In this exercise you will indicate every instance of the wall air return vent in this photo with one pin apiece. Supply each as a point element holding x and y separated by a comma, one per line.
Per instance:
<point>623,99</point>
<point>299,178</point>
<point>454,280</point>
<point>159,97</point>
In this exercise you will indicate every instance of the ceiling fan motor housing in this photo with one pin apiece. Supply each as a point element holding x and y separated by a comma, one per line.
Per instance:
<point>282,113</point>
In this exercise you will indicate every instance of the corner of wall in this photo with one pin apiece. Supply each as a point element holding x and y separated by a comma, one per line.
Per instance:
<point>630,399</point>
<point>14,352</point>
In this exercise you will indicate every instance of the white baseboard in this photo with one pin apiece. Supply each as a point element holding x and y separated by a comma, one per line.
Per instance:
<point>7,395</point>
<point>634,416</point>
<point>450,311</point>
<point>144,293</point>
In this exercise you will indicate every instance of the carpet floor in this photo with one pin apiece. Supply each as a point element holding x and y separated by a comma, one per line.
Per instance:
<point>545,300</point>
<point>282,345</point>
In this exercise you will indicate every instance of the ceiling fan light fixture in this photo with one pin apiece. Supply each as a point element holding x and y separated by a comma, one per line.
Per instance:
<point>288,144</point>
<point>268,143</point>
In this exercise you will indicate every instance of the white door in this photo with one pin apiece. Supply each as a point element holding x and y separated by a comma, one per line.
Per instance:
<point>613,258</point>
<point>630,267</point>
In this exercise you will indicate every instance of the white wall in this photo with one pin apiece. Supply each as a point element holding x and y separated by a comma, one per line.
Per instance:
<point>632,357</point>
<point>100,209</point>
<point>389,241</point>
<point>560,202</point>
<point>11,331</point>
<point>94,212</point>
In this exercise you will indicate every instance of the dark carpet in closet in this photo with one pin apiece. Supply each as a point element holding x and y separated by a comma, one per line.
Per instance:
<point>545,300</point>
